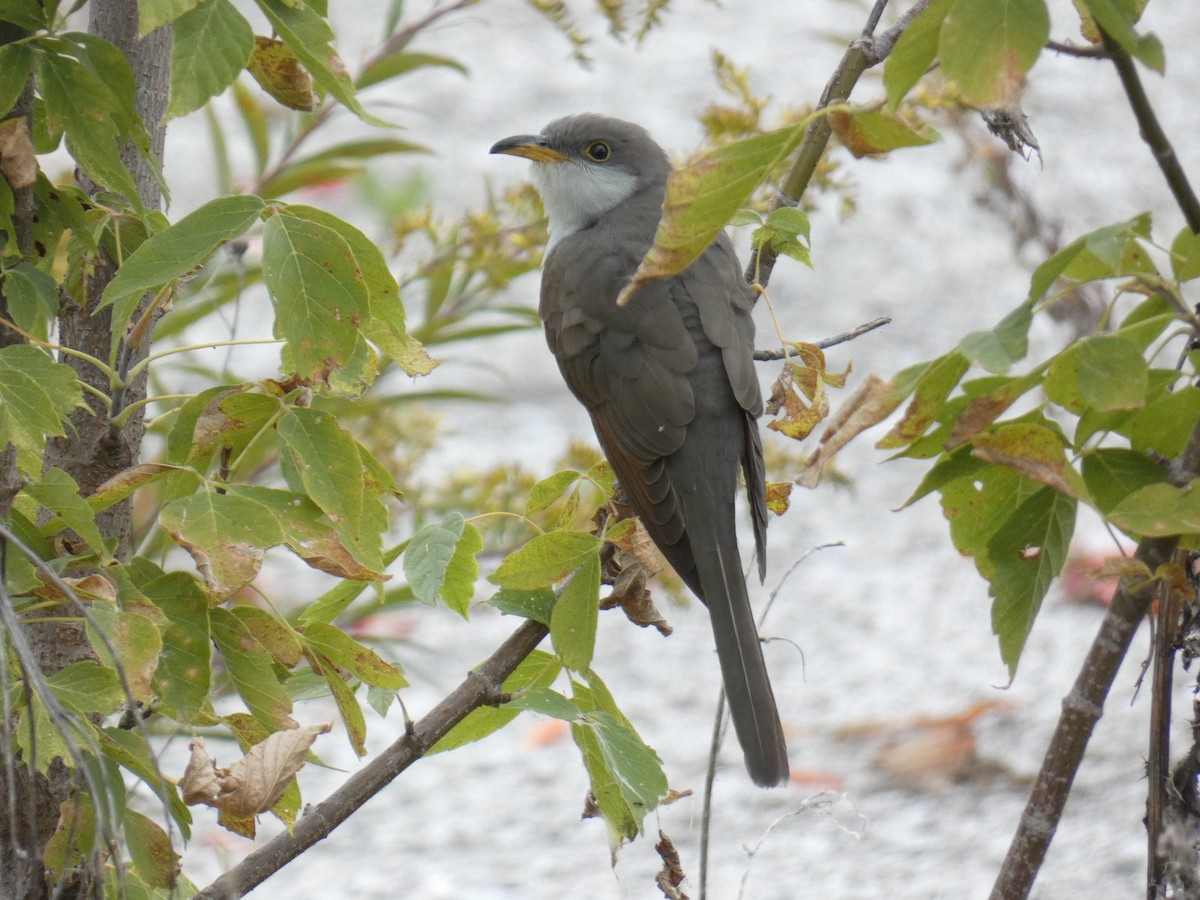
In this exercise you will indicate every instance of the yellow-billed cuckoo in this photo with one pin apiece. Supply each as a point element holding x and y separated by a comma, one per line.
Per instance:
<point>668,380</point>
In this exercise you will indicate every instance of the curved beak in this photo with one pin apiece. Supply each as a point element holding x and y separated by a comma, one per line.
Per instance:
<point>527,146</point>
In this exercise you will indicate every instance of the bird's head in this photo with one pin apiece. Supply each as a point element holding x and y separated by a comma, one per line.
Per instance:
<point>585,165</point>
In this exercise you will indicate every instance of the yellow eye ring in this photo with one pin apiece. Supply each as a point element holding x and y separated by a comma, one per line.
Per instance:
<point>598,151</point>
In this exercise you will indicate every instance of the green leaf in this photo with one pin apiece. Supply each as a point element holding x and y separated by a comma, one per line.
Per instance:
<point>153,14</point>
<point>383,324</point>
<point>978,504</point>
<point>1026,553</point>
<point>1185,255</point>
<point>538,670</point>
<point>137,643</point>
<point>16,63</point>
<point>36,396</point>
<point>546,559</point>
<point>317,289</point>
<point>184,671</point>
<point>226,535</point>
<point>348,708</point>
<point>1113,473</point>
<point>129,750</point>
<point>626,776</point>
<point>914,52</point>
<point>88,688</point>
<point>32,295</point>
<point>1104,372</point>
<point>154,859</point>
<point>1166,423</point>
<point>536,604</point>
<point>441,562</point>
<point>987,46</point>
<point>176,251</point>
<point>39,738</point>
<point>428,556</point>
<point>330,469</point>
<point>29,14</point>
<point>549,489</point>
<point>250,667</point>
<point>998,348</point>
<point>212,45</point>
<point>346,653</point>
<point>333,163</point>
<point>703,195</point>
<point>1117,18</point>
<point>74,839</point>
<point>59,493</point>
<point>545,702</point>
<point>458,588</point>
<point>309,533</point>
<point>1158,510</point>
<point>400,62</point>
<point>1104,253</point>
<point>80,103</point>
<point>573,621</point>
<point>275,635</point>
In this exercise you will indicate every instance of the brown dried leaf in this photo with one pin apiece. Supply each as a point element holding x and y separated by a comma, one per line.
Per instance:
<point>870,404</point>
<point>18,160</point>
<point>200,782</point>
<point>256,781</point>
<point>671,875</point>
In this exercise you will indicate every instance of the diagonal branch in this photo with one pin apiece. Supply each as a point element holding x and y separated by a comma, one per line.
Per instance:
<point>479,688</point>
<point>1082,708</point>
<point>863,53</point>
<point>1153,134</point>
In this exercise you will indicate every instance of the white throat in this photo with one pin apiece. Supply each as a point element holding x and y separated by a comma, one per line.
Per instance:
<point>576,194</point>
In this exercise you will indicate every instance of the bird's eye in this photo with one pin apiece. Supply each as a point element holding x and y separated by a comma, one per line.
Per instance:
<point>598,151</point>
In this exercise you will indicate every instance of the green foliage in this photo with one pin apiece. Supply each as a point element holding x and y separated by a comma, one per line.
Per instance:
<point>302,473</point>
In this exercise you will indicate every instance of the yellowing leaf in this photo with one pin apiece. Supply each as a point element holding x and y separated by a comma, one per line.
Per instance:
<point>987,46</point>
<point>279,73</point>
<point>546,559</point>
<point>703,195</point>
<point>869,132</point>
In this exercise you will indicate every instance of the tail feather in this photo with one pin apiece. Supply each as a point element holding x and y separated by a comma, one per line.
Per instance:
<point>743,669</point>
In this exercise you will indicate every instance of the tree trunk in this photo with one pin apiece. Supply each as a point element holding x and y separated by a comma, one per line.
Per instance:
<point>92,451</point>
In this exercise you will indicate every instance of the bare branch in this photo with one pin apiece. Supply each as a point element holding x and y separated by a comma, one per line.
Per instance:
<point>477,689</point>
<point>826,343</point>
<point>1083,706</point>
<point>1153,134</point>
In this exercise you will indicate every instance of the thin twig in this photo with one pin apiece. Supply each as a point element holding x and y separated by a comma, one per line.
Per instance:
<point>718,732</point>
<point>859,56</point>
<point>1089,52</point>
<point>826,343</point>
<point>478,688</point>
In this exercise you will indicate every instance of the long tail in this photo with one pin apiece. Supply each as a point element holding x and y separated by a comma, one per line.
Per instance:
<point>747,686</point>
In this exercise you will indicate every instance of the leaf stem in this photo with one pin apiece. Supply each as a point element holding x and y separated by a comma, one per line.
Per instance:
<point>108,371</point>
<point>206,345</point>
